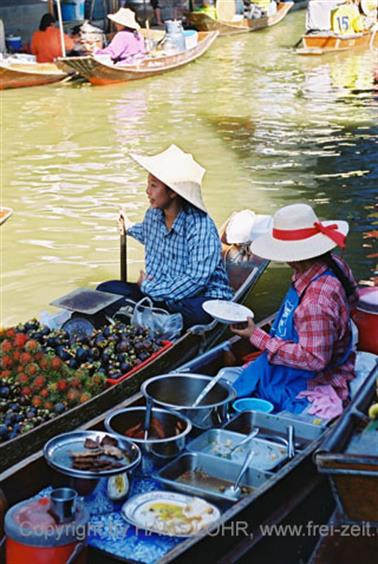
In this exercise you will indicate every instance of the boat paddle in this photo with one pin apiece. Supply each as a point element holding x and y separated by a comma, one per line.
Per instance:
<point>123,252</point>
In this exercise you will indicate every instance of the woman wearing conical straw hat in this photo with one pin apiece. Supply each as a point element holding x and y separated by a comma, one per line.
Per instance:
<point>127,45</point>
<point>183,252</point>
<point>307,359</point>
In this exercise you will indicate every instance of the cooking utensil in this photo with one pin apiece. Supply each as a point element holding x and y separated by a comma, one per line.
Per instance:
<point>175,429</point>
<point>196,473</point>
<point>163,391</point>
<point>244,441</point>
<point>216,443</point>
<point>207,389</point>
<point>147,419</point>
<point>234,491</point>
<point>290,442</point>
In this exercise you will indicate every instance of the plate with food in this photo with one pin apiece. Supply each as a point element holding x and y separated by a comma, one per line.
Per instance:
<point>168,513</point>
<point>91,454</point>
<point>227,312</point>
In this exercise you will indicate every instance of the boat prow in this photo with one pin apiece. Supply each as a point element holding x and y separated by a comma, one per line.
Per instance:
<point>18,75</point>
<point>5,214</point>
<point>100,73</point>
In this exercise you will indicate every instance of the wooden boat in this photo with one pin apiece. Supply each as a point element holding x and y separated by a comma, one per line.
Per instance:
<point>291,494</point>
<point>204,22</point>
<point>242,277</point>
<point>18,75</point>
<point>349,457</point>
<point>5,214</point>
<point>101,73</point>
<point>320,43</point>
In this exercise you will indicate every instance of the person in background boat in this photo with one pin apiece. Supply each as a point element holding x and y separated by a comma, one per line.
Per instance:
<point>183,252</point>
<point>307,359</point>
<point>260,8</point>
<point>208,8</point>
<point>127,46</point>
<point>157,12</point>
<point>349,18</point>
<point>46,43</point>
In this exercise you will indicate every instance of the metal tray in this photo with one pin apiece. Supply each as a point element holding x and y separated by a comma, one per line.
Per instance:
<point>57,453</point>
<point>85,300</point>
<point>217,442</point>
<point>274,427</point>
<point>214,468</point>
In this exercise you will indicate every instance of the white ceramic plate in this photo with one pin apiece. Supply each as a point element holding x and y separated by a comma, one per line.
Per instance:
<point>227,312</point>
<point>168,513</point>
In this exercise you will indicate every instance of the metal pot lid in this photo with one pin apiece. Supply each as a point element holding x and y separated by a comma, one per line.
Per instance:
<point>57,452</point>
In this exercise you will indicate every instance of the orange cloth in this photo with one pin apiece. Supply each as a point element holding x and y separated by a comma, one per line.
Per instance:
<point>46,44</point>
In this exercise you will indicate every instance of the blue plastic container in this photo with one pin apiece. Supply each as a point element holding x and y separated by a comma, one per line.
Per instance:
<point>13,43</point>
<point>253,404</point>
<point>73,11</point>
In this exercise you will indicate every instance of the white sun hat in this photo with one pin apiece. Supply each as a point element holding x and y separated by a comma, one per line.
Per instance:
<point>125,17</point>
<point>298,234</point>
<point>245,226</point>
<point>178,170</point>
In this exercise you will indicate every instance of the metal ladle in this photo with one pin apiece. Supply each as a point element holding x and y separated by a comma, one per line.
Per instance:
<point>206,389</point>
<point>234,490</point>
<point>246,440</point>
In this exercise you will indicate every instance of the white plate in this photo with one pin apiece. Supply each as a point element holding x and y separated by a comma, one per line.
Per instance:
<point>227,312</point>
<point>139,512</point>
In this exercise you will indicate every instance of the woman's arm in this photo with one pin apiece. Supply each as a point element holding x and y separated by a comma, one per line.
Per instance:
<point>115,48</point>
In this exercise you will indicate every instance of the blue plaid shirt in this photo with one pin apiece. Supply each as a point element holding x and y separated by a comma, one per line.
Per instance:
<point>184,261</point>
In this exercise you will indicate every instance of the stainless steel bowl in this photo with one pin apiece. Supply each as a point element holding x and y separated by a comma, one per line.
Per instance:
<point>178,391</point>
<point>176,428</point>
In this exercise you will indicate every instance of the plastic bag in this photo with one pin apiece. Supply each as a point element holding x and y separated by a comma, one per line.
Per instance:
<point>158,321</point>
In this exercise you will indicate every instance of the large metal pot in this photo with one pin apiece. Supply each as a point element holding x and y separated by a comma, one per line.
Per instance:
<point>175,426</point>
<point>178,391</point>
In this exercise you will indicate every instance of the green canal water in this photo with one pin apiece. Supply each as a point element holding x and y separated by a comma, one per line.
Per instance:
<point>270,127</point>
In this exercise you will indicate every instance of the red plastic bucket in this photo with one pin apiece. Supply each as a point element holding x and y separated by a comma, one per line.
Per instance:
<point>32,535</point>
<point>365,317</point>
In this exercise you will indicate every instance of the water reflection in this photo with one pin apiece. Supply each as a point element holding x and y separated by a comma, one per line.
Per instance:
<point>270,127</point>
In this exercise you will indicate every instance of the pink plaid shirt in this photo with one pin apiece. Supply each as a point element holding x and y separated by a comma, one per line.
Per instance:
<point>322,323</point>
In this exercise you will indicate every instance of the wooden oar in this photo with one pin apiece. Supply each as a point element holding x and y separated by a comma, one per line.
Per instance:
<point>123,253</point>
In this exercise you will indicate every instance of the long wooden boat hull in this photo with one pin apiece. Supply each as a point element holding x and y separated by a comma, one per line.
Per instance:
<point>186,347</point>
<point>19,75</point>
<point>203,22</point>
<point>321,43</point>
<point>290,495</point>
<point>101,74</point>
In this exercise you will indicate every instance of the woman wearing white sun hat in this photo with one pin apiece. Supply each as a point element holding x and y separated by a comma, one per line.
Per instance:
<point>183,253</point>
<point>308,356</point>
<point>127,45</point>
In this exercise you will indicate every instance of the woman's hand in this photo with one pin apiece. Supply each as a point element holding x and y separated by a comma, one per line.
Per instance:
<point>142,277</point>
<point>243,331</point>
<point>124,223</point>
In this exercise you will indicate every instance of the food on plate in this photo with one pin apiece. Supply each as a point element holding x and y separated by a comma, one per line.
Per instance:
<point>99,455</point>
<point>199,478</point>
<point>174,518</point>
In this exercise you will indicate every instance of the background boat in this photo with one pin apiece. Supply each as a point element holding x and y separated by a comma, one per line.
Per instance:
<point>5,214</point>
<point>101,73</point>
<point>204,22</point>
<point>18,75</point>
<point>321,42</point>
